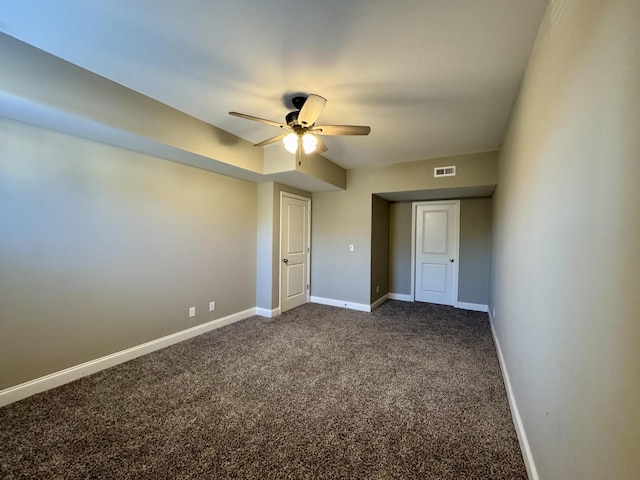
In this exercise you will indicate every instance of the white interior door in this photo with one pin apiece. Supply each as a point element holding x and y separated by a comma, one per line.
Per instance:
<point>437,228</point>
<point>295,213</point>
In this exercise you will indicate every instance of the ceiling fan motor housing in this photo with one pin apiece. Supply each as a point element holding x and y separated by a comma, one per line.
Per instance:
<point>292,117</point>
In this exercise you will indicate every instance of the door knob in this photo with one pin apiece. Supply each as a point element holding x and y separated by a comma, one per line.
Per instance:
<point>451,260</point>
<point>286,260</point>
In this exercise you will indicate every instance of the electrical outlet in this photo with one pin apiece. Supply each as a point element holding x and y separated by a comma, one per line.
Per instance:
<point>192,312</point>
<point>377,289</point>
<point>494,312</point>
<point>212,306</point>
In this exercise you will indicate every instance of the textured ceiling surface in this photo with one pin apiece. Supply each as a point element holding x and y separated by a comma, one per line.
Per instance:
<point>432,78</point>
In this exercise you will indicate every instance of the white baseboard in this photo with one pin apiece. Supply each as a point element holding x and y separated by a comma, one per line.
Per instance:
<point>476,307</point>
<point>24,390</point>
<point>265,312</point>
<point>403,297</point>
<point>389,296</point>
<point>379,302</point>
<point>515,413</point>
<point>362,307</point>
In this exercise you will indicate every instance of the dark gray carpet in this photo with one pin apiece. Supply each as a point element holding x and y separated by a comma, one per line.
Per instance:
<point>408,391</point>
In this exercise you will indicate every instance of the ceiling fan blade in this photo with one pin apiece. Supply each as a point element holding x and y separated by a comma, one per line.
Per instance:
<point>258,119</point>
<point>341,130</point>
<point>321,147</point>
<point>310,111</point>
<point>271,140</point>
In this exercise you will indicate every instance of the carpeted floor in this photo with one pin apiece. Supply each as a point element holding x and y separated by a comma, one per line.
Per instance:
<point>409,391</point>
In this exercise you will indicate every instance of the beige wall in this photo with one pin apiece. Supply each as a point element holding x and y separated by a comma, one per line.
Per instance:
<point>102,249</point>
<point>566,269</point>
<point>343,218</point>
<point>475,249</point>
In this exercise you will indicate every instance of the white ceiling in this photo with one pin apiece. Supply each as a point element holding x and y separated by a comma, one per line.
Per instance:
<point>432,78</point>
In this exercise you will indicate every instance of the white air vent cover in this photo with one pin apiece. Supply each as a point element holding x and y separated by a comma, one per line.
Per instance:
<point>444,171</point>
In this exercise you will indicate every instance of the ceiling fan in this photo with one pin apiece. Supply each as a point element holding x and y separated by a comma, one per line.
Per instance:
<point>301,126</point>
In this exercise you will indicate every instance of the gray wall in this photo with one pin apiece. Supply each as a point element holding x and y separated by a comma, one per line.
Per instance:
<point>343,218</point>
<point>267,243</point>
<point>400,248</point>
<point>566,268</point>
<point>379,247</point>
<point>102,249</point>
<point>475,249</point>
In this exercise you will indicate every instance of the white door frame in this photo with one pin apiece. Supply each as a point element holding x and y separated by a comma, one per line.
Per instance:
<point>414,214</point>
<point>308,279</point>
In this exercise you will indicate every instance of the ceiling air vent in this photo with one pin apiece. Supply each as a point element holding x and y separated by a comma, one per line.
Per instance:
<point>444,171</point>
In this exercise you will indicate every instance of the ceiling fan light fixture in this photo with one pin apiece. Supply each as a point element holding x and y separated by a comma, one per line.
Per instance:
<point>291,142</point>
<point>309,143</point>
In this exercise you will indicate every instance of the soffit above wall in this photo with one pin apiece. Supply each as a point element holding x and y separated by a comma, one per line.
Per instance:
<point>75,101</point>
<point>439,193</point>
